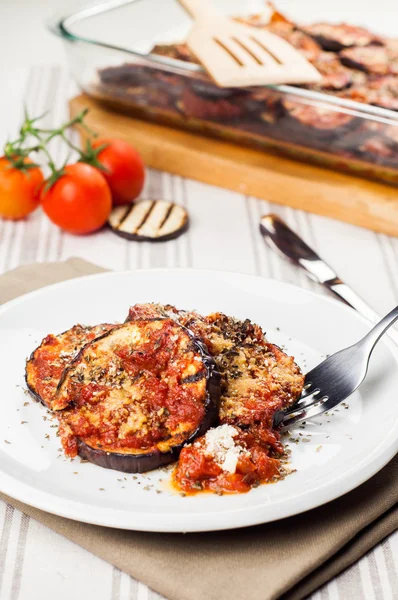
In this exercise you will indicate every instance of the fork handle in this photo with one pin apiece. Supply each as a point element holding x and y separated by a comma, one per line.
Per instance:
<point>200,9</point>
<point>371,339</point>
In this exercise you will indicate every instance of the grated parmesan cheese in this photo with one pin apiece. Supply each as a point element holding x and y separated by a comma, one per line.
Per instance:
<point>221,446</point>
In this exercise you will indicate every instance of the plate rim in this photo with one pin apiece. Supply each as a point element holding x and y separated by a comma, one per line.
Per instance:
<point>350,480</point>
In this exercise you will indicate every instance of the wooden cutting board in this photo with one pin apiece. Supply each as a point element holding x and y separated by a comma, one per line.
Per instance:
<point>252,172</point>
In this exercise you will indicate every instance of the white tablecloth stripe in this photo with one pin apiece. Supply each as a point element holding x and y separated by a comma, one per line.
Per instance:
<point>224,235</point>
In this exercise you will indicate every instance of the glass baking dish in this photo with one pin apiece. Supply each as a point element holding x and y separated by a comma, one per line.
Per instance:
<point>109,50</point>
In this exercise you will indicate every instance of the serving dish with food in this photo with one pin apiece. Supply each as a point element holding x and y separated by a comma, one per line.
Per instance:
<point>348,121</point>
<point>132,396</point>
<point>160,419</point>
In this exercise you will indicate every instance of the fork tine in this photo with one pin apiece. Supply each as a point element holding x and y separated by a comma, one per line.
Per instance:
<point>305,401</point>
<point>309,413</point>
<point>308,390</point>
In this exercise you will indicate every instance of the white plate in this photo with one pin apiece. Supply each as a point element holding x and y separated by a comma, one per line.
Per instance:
<point>334,455</point>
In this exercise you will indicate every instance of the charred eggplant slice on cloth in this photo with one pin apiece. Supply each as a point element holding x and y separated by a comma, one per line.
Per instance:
<point>131,399</point>
<point>149,221</point>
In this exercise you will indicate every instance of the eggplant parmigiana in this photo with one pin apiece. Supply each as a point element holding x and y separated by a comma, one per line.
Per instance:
<point>257,377</point>
<point>46,364</point>
<point>132,398</point>
<point>257,380</point>
<point>170,385</point>
<point>355,64</point>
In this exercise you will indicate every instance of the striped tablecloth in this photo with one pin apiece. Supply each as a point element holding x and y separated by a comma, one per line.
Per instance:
<point>34,561</point>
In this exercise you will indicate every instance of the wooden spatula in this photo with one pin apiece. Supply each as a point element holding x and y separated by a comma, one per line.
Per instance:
<point>236,55</point>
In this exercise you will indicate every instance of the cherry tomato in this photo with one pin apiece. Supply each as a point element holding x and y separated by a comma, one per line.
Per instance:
<point>79,201</point>
<point>124,169</point>
<point>19,189</point>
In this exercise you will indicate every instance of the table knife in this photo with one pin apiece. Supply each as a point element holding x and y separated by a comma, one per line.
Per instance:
<point>290,246</point>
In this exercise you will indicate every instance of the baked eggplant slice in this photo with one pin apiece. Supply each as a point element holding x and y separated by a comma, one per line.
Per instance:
<point>298,39</point>
<point>378,144</point>
<point>336,37</point>
<point>392,46</point>
<point>46,364</point>
<point>391,133</point>
<point>309,123</point>
<point>176,51</point>
<point>257,377</point>
<point>126,75</point>
<point>202,101</point>
<point>335,76</point>
<point>149,221</point>
<point>132,398</point>
<point>383,92</point>
<point>374,60</point>
<point>379,150</point>
<point>380,91</point>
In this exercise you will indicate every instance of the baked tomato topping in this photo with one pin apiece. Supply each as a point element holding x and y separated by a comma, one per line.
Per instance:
<point>227,460</point>
<point>48,362</point>
<point>142,387</point>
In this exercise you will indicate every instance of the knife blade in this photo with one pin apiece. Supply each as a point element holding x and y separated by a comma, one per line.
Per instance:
<point>278,236</point>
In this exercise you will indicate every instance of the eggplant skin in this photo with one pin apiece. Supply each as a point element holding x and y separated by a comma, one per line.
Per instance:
<point>328,44</point>
<point>141,238</point>
<point>337,37</point>
<point>308,124</point>
<point>140,463</point>
<point>30,389</point>
<point>126,463</point>
<point>68,344</point>
<point>158,221</point>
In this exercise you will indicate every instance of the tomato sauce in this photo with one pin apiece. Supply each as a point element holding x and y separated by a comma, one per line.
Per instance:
<point>137,394</point>
<point>46,366</point>
<point>198,471</point>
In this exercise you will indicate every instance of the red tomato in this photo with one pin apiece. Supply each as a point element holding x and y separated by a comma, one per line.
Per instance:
<point>124,169</point>
<point>19,189</point>
<point>79,201</point>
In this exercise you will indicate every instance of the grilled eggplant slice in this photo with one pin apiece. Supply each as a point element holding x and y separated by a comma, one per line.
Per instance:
<point>176,51</point>
<point>335,76</point>
<point>312,123</point>
<point>336,37</point>
<point>381,91</point>
<point>46,364</point>
<point>149,221</point>
<point>298,39</point>
<point>195,103</point>
<point>131,399</point>
<point>374,60</point>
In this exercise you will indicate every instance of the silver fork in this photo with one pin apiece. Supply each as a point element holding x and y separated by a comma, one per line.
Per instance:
<point>336,378</point>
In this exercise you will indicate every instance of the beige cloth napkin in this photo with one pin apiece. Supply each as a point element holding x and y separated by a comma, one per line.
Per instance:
<point>288,558</point>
